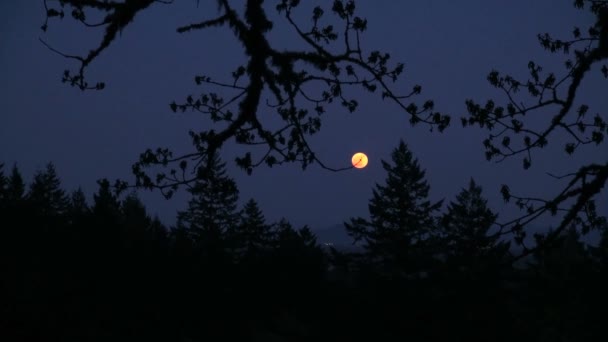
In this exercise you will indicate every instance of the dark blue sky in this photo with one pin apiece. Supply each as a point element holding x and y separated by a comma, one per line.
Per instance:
<point>447,46</point>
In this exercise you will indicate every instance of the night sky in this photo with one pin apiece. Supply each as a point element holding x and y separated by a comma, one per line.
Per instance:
<point>448,47</point>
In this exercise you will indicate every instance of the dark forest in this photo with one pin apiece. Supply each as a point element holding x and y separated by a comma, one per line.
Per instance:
<point>106,270</point>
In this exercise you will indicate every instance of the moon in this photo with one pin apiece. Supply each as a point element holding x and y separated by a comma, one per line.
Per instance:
<point>359,160</point>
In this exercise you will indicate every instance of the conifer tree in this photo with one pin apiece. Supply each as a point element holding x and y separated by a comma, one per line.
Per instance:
<point>13,205</point>
<point>466,230</point>
<point>401,225</point>
<point>46,195</point>
<point>106,207</point>
<point>212,208</point>
<point>134,213</point>
<point>78,208</point>
<point>135,222</point>
<point>297,252</point>
<point>285,233</point>
<point>252,234</point>
<point>78,203</point>
<point>15,188</point>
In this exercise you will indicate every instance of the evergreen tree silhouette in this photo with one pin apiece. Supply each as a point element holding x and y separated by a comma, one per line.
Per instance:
<point>298,254</point>
<point>15,188</point>
<point>402,224</point>
<point>252,234</point>
<point>106,206</point>
<point>287,236</point>
<point>473,270</point>
<point>135,222</point>
<point>78,208</point>
<point>134,213</point>
<point>14,210</point>
<point>45,194</point>
<point>106,220</point>
<point>466,232</point>
<point>212,208</point>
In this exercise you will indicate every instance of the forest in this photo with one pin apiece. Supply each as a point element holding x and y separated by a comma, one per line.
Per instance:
<point>106,269</point>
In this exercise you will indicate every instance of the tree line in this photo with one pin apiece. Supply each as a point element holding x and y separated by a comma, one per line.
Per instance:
<point>107,270</point>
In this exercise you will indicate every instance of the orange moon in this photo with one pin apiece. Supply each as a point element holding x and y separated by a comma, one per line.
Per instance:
<point>359,160</point>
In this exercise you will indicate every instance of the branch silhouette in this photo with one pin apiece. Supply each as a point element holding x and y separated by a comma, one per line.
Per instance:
<point>546,93</point>
<point>300,83</point>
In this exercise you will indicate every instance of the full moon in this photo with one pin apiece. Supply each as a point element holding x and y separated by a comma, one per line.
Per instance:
<point>359,160</point>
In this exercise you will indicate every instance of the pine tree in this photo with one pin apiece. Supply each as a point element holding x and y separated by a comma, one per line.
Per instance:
<point>286,234</point>
<point>135,222</point>
<point>134,214</point>
<point>12,204</point>
<point>466,227</point>
<point>46,195</point>
<point>15,188</point>
<point>78,203</point>
<point>78,209</point>
<point>251,234</point>
<point>401,224</point>
<point>297,253</point>
<point>106,207</point>
<point>212,208</point>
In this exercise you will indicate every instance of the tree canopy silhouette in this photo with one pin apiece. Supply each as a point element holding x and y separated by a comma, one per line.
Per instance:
<point>212,209</point>
<point>402,218</point>
<point>15,188</point>
<point>251,234</point>
<point>301,82</point>
<point>466,229</point>
<point>555,96</point>
<point>46,195</point>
